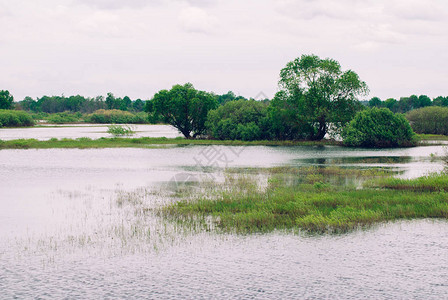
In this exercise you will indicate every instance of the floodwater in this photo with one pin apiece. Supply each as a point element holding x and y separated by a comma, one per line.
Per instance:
<point>93,131</point>
<point>80,224</point>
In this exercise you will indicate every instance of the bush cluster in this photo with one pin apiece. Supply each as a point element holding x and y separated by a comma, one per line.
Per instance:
<point>64,117</point>
<point>239,120</point>
<point>429,120</point>
<point>379,128</point>
<point>115,116</point>
<point>15,118</point>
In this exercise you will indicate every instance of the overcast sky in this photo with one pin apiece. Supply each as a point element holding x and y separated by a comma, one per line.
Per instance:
<point>137,47</point>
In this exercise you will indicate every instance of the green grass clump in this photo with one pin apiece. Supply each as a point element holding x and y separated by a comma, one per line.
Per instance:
<point>311,206</point>
<point>15,118</point>
<point>64,118</point>
<point>432,182</point>
<point>144,142</point>
<point>120,130</point>
<point>115,116</point>
<point>433,137</point>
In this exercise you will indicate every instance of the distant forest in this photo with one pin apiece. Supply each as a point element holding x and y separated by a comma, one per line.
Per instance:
<point>406,104</point>
<point>57,104</point>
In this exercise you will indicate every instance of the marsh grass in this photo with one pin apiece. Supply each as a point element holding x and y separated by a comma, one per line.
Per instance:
<point>306,200</point>
<point>121,130</point>
<point>143,142</point>
<point>436,182</point>
<point>433,137</point>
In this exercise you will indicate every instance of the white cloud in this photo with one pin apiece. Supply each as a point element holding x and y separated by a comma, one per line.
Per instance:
<point>194,19</point>
<point>117,4</point>
<point>342,10</point>
<point>429,10</point>
<point>103,24</point>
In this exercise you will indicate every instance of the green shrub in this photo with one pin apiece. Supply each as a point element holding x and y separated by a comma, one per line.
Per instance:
<point>115,116</point>
<point>39,116</point>
<point>429,120</point>
<point>15,118</point>
<point>238,120</point>
<point>379,128</point>
<point>64,117</point>
<point>120,130</point>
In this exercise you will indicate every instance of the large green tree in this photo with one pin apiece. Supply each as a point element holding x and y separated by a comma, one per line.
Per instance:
<point>323,94</point>
<point>239,120</point>
<point>183,107</point>
<point>6,100</point>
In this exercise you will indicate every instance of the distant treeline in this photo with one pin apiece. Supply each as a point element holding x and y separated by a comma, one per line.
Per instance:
<point>57,104</point>
<point>429,120</point>
<point>406,104</point>
<point>88,105</point>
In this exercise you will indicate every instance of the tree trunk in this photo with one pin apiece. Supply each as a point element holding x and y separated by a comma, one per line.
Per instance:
<point>186,133</point>
<point>321,131</point>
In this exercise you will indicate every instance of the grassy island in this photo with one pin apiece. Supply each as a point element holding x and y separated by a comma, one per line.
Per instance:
<point>307,200</point>
<point>143,142</point>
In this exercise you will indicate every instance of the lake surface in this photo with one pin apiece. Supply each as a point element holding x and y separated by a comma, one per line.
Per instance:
<point>92,131</point>
<point>79,224</point>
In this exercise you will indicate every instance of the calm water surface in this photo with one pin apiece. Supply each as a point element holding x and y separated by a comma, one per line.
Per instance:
<point>92,131</point>
<point>78,224</point>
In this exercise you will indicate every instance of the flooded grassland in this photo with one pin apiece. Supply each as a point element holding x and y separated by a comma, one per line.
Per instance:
<point>93,223</point>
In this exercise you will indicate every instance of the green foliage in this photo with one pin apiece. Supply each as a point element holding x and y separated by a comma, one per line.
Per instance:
<point>15,118</point>
<point>440,101</point>
<point>6,100</point>
<point>286,117</point>
<point>120,130</point>
<point>183,107</point>
<point>64,117</point>
<point>375,102</point>
<point>238,120</point>
<point>229,96</point>
<point>379,128</point>
<point>124,103</point>
<point>58,104</point>
<point>115,116</point>
<point>410,103</point>
<point>319,93</point>
<point>429,120</point>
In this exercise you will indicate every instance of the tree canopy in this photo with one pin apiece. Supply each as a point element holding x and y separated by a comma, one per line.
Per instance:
<point>239,120</point>
<point>321,93</point>
<point>183,107</point>
<point>429,120</point>
<point>6,99</point>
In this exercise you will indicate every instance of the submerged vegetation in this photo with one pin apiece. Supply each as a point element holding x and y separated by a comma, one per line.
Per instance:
<point>305,199</point>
